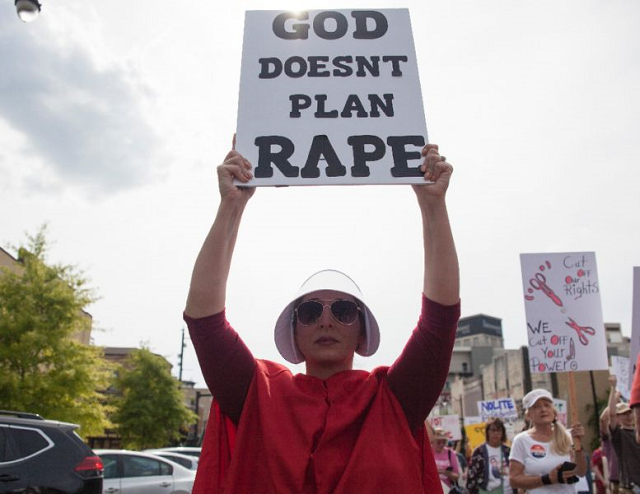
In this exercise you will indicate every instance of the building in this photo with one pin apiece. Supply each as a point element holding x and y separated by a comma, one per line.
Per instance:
<point>8,261</point>
<point>478,339</point>
<point>199,400</point>
<point>617,343</point>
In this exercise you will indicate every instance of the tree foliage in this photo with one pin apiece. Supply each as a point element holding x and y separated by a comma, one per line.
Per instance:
<point>42,369</point>
<point>150,411</point>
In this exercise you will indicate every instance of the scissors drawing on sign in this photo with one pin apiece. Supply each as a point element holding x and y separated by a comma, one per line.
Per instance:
<point>539,282</point>
<point>581,330</point>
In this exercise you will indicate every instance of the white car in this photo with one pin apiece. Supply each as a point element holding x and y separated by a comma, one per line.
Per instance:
<point>184,450</point>
<point>132,472</point>
<point>187,461</point>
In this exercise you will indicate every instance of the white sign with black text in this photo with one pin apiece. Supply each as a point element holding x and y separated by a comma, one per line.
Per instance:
<point>330,98</point>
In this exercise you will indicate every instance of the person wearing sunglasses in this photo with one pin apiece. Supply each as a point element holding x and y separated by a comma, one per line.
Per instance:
<point>331,429</point>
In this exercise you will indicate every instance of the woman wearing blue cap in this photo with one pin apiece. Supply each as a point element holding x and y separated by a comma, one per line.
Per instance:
<point>332,429</point>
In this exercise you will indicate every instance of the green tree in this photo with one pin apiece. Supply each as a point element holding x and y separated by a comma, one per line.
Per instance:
<point>42,369</point>
<point>149,407</point>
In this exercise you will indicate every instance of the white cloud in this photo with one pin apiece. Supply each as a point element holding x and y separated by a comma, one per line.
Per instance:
<point>86,123</point>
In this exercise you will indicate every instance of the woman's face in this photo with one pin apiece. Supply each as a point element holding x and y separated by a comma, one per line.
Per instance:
<point>495,435</point>
<point>626,419</point>
<point>327,341</point>
<point>542,412</point>
<point>439,445</point>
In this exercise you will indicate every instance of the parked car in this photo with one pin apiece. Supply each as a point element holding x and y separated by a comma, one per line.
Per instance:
<point>133,472</point>
<point>187,461</point>
<point>38,455</point>
<point>185,450</point>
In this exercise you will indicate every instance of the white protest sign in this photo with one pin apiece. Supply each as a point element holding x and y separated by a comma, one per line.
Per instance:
<point>563,312</point>
<point>620,369</point>
<point>450,424</point>
<point>330,97</point>
<point>635,322</point>
<point>561,408</point>
<point>503,408</point>
<point>470,420</point>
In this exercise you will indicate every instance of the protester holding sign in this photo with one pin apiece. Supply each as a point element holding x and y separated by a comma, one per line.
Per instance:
<point>623,438</point>
<point>542,460</point>
<point>332,429</point>
<point>490,461</point>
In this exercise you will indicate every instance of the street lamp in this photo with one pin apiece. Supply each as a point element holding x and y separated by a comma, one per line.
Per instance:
<point>27,10</point>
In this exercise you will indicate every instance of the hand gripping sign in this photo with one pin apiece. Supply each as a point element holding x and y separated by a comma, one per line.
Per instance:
<point>330,97</point>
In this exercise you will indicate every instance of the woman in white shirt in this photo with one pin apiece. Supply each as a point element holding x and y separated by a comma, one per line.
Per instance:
<point>538,453</point>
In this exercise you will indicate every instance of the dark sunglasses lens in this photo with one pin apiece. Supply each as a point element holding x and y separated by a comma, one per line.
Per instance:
<point>345,311</point>
<point>309,312</point>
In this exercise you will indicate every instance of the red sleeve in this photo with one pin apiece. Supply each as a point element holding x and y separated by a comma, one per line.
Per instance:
<point>635,387</point>
<point>226,363</point>
<point>418,375</point>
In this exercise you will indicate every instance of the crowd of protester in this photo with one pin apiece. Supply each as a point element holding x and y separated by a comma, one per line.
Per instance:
<point>546,457</point>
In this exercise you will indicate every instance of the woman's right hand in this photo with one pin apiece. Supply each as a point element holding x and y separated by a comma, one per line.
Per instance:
<point>235,166</point>
<point>567,474</point>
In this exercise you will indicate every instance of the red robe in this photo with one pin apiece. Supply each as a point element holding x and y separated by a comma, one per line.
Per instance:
<point>300,434</point>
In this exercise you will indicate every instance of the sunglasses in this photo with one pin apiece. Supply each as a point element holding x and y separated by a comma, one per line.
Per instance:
<point>343,311</point>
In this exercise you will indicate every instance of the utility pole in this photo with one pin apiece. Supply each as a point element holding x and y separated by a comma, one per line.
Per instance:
<point>183,345</point>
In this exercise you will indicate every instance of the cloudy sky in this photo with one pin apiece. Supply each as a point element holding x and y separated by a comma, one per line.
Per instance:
<point>113,116</point>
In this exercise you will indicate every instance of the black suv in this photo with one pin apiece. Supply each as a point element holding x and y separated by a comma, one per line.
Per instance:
<point>45,456</point>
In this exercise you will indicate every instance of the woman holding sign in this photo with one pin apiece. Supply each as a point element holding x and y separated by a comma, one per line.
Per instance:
<point>542,460</point>
<point>332,429</point>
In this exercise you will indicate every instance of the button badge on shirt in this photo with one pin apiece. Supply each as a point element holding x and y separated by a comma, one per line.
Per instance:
<point>538,451</point>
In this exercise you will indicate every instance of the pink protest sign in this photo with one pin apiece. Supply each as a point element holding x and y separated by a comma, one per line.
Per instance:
<point>563,311</point>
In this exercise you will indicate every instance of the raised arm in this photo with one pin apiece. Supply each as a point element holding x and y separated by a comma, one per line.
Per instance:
<point>441,275</point>
<point>207,293</point>
<point>227,364</point>
<point>613,400</point>
<point>417,376</point>
<point>604,421</point>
